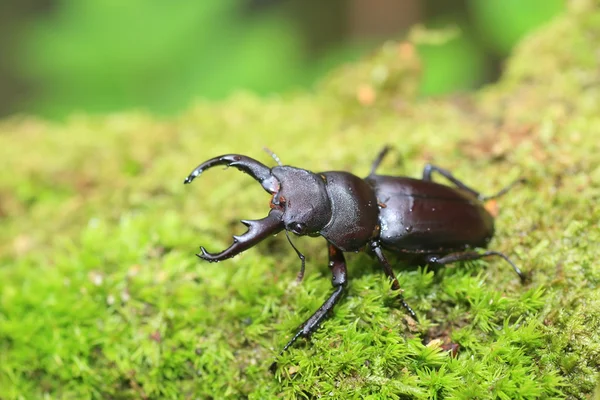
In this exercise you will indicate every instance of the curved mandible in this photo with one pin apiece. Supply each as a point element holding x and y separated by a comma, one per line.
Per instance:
<point>257,231</point>
<point>254,168</point>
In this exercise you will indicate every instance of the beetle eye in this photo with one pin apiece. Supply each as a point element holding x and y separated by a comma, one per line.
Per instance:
<point>298,228</point>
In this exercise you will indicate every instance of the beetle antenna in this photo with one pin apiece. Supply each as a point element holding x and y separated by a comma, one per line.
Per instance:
<point>276,158</point>
<point>300,256</point>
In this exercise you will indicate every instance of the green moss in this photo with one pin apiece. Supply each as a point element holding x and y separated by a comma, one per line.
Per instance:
<point>102,297</point>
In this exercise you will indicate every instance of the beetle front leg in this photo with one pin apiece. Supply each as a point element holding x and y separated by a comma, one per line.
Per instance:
<point>337,265</point>
<point>387,268</point>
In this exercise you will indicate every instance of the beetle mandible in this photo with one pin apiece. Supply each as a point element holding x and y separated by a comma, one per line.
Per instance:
<point>433,223</point>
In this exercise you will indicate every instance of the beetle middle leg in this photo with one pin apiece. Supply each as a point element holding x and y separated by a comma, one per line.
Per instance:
<point>337,265</point>
<point>470,256</point>
<point>429,168</point>
<point>387,268</point>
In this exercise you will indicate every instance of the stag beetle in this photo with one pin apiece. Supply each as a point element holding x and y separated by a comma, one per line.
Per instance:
<point>433,223</point>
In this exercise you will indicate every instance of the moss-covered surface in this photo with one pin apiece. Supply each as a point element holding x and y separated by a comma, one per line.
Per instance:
<point>101,295</point>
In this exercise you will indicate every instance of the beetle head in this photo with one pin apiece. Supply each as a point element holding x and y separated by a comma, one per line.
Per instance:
<point>302,198</point>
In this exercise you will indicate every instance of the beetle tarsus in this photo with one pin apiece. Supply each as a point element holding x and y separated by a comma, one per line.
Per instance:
<point>504,190</point>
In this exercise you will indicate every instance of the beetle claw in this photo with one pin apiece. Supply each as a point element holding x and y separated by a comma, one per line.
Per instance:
<point>205,255</point>
<point>257,231</point>
<point>254,168</point>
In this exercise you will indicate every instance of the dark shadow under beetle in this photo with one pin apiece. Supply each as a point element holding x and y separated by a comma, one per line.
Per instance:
<point>415,218</point>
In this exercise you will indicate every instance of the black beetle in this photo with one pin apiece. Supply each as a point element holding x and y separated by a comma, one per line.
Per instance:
<point>433,223</point>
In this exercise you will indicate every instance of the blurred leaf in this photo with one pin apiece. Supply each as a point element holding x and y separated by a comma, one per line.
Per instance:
<point>452,64</point>
<point>503,22</point>
<point>102,56</point>
<point>421,35</point>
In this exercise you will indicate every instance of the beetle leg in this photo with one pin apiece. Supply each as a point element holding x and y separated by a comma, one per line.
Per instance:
<point>446,174</point>
<point>378,159</point>
<point>337,265</point>
<point>504,190</point>
<point>257,231</point>
<point>387,268</point>
<point>471,255</point>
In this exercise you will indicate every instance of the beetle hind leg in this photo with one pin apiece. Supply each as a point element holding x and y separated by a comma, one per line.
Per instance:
<point>504,190</point>
<point>337,265</point>
<point>472,255</point>
<point>429,169</point>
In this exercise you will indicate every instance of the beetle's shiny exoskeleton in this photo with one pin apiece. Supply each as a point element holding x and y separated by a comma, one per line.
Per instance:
<point>432,223</point>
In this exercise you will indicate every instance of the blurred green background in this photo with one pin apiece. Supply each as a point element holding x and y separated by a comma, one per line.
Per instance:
<point>97,56</point>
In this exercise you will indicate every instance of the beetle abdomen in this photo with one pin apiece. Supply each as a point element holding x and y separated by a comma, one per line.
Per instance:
<point>426,217</point>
